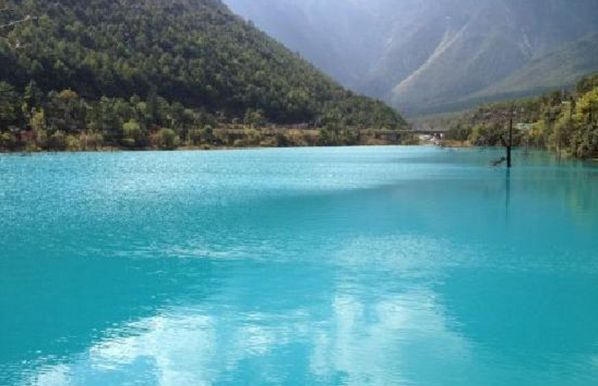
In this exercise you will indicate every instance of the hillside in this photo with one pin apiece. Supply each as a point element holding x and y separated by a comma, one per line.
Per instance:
<point>562,67</point>
<point>177,64</point>
<point>566,122</point>
<point>432,56</point>
<point>340,37</point>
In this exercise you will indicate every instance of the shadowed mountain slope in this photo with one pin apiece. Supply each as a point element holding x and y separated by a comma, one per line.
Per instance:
<point>428,55</point>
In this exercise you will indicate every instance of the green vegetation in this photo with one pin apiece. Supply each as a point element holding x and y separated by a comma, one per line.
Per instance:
<point>566,122</point>
<point>156,74</point>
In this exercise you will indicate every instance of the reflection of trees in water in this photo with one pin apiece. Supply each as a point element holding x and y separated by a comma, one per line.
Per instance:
<point>581,191</point>
<point>569,181</point>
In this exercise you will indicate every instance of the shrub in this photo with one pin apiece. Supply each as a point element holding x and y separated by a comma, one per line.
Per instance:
<point>281,140</point>
<point>195,137</point>
<point>132,134</point>
<point>73,143</point>
<point>57,141</point>
<point>167,139</point>
<point>41,138</point>
<point>91,140</point>
<point>8,141</point>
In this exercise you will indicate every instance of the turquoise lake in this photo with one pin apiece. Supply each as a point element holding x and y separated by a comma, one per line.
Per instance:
<point>329,266</point>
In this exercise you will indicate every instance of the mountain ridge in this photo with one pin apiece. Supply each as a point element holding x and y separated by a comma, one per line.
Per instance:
<point>401,51</point>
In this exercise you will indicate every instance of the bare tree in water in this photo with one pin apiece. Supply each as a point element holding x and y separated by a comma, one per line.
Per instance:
<point>508,141</point>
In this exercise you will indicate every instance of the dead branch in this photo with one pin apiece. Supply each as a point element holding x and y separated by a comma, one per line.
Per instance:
<point>17,22</point>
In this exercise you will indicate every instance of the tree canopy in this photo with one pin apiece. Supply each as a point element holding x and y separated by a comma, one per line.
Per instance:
<point>106,66</point>
<point>563,121</point>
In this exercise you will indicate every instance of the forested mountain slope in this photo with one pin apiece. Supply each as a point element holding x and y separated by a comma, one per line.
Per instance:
<point>563,121</point>
<point>166,63</point>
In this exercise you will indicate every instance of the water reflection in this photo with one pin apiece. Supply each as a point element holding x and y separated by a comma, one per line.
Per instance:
<point>359,342</point>
<point>344,266</point>
<point>402,315</point>
<point>507,192</point>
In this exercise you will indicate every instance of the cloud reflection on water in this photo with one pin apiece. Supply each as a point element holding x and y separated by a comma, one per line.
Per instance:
<point>358,334</point>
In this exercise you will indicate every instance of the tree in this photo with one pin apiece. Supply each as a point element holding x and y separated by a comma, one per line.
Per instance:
<point>37,123</point>
<point>167,139</point>
<point>586,123</point>
<point>8,111</point>
<point>108,121</point>
<point>57,141</point>
<point>32,99</point>
<point>132,134</point>
<point>67,112</point>
<point>254,118</point>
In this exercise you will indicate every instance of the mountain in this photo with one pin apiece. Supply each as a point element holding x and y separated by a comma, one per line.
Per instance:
<point>175,58</point>
<point>341,37</point>
<point>434,55</point>
<point>563,66</point>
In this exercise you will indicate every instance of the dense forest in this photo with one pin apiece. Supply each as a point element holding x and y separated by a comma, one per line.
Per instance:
<point>156,74</point>
<point>563,121</point>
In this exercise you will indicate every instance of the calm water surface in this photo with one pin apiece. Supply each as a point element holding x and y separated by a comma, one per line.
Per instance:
<point>347,266</point>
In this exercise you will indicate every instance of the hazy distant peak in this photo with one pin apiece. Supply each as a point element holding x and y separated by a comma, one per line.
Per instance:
<point>423,54</point>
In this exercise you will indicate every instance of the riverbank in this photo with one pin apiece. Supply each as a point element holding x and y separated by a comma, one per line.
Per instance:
<point>228,137</point>
<point>563,122</point>
<point>454,143</point>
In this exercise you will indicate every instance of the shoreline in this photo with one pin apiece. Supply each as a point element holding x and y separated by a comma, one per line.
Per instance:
<point>233,137</point>
<point>201,149</point>
<point>450,144</point>
<point>214,139</point>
